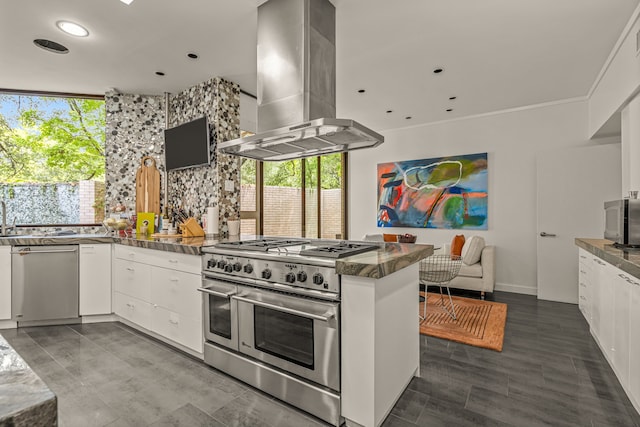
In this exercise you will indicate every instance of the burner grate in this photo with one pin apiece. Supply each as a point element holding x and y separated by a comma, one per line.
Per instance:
<point>261,244</point>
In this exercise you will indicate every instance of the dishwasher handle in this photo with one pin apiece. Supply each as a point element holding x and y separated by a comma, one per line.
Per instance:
<point>29,251</point>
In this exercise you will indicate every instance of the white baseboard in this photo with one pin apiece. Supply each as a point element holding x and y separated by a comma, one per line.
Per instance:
<point>8,324</point>
<point>516,289</point>
<point>99,318</point>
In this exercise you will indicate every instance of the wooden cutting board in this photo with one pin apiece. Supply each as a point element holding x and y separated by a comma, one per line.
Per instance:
<point>148,186</point>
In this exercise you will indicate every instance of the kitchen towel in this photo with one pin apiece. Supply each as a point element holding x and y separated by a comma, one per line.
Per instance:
<point>212,220</point>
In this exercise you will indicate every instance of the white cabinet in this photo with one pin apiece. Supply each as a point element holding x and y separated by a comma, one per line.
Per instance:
<point>132,278</point>
<point>5,282</point>
<point>585,284</point>
<point>95,279</point>
<point>620,345</point>
<point>132,309</point>
<point>157,290</point>
<point>615,312</point>
<point>634,342</point>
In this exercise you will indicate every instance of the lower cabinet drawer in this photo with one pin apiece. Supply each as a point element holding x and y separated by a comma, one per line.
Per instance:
<point>176,291</point>
<point>179,328</point>
<point>133,309</point>
<point>132,278</point>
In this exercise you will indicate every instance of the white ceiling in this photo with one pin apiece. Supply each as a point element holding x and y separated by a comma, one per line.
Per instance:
<point>496,54</point>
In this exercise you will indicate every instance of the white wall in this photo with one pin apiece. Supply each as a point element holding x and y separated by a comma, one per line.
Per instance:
<point>511,140</point>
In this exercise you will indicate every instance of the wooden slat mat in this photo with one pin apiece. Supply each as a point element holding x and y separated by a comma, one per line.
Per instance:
<point>479,323</point>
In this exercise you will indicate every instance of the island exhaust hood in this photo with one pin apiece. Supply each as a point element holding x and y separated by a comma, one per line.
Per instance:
<point>297,87</point>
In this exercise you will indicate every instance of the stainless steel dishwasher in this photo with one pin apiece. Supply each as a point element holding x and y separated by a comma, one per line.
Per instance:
<point>44,284</point>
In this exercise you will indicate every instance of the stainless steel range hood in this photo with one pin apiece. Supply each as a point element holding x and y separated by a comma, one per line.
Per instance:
<point>297,87</point>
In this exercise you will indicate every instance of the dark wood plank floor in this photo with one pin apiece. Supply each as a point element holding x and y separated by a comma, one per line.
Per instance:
<point>550,373</point>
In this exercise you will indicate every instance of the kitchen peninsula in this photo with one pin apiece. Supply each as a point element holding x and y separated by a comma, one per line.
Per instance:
<point>378,321</point>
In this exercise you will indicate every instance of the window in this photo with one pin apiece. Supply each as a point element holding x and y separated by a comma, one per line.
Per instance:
<point>52,159</point>
<point>294,198</point>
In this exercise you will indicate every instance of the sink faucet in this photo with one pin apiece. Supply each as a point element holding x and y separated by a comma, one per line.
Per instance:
<point>3,232</point>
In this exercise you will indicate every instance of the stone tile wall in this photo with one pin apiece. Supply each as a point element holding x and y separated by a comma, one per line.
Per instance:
<point>135,125</point>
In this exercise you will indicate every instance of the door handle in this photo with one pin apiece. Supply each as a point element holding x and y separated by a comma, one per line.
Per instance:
<point>325,318</point>
<point>216,293</point>
<point>545,234</point>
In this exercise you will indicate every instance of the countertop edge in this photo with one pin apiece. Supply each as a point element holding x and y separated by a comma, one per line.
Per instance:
<point>27,400</point>
<point>605,250</point>
<point>398,256</point>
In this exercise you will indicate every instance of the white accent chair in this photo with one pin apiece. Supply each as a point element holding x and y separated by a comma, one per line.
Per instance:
<point>480,276</point>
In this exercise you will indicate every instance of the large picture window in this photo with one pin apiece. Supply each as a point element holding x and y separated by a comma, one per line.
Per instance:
<point>52,159</point>
<point>294,198</point>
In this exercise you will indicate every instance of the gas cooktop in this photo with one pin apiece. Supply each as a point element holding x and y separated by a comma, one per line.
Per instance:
<point>307,248</point>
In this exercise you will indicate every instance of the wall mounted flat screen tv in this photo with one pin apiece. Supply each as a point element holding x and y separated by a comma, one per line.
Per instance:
<point>187,145</point>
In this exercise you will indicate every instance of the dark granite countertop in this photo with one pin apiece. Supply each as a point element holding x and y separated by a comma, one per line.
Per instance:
<point>190,246</point>
<point>72,239</point>
<point>388,259</point>
<point>627,260</point>
<point>25,400</point>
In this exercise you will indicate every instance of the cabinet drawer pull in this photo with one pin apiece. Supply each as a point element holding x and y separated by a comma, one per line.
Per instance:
<point>173,279</point>
<point>130,305</point>
<point>87,247</point>
<point>131,269</point>
<point>582,297</point>
<point>173,261</point>
<point>583,285</point>
<point>583,257</point>
<point>583,272</point>
<point>175,322</point>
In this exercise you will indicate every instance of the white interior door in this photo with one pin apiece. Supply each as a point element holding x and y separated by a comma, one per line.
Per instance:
<point>573,185</point>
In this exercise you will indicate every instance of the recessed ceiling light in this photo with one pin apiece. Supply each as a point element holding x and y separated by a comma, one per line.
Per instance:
<point>451,98</point>
<point>159,73</point>
<point>127,1</point>
<point>72,28</point>
<point>449,109</point>
<point>192,55</point>
<point>389,111</point>
<point>361,91</point>
<point>438,71</point>
<point>50,46</point>
<point>408,118</point>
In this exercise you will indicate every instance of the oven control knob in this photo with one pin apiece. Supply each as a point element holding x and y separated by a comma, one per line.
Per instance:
<point>221,264</point>
<point>290,278</point>
<point>211,263</point>
<point>318,279</point>
<point>302,276</point>
<point>237,266</point>
<point>266,273</point>
<point>228,268</point>
<point>248,269</point>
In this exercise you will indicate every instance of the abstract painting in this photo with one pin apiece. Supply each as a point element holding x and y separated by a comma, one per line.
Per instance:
<point>444,192</point>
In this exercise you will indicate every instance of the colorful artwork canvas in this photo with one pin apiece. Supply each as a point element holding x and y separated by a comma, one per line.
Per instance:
<point>445,192</point>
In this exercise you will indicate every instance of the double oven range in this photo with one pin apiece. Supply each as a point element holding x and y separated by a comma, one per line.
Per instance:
<point>272,317</point>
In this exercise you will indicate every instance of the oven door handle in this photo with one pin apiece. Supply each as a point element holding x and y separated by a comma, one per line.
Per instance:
<point>325,318</point>
<point>218,294</point>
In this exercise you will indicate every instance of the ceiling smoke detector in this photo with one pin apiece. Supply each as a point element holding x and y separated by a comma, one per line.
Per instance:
<point>127,2</point>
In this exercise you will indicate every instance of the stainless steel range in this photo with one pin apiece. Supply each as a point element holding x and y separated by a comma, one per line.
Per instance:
<point>272,317</point>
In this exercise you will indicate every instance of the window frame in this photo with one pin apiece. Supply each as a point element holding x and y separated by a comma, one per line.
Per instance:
<point>258,214</point>
<point>44,93</point>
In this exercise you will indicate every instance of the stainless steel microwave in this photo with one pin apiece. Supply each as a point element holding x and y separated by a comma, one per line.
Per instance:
<point>622,221</point>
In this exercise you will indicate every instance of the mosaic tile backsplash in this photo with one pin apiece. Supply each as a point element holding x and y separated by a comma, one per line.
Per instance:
<point>135,125</point>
